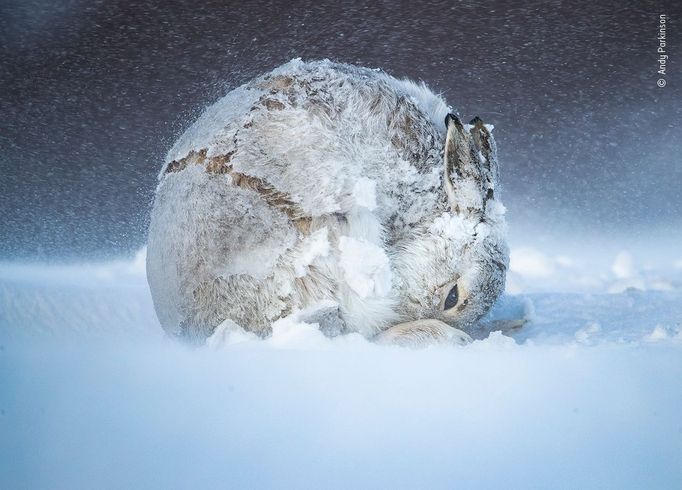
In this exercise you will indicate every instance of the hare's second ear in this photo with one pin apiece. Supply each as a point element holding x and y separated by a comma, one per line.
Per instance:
<point>486,151</point>
<point>470,166</point>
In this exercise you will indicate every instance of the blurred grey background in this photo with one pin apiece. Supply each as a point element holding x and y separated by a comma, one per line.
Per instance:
<point>93,93</point>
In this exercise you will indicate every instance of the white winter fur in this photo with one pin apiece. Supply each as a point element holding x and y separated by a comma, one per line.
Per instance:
<point>359,156</point>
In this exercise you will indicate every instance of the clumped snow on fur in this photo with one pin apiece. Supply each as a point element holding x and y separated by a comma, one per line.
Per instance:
<point>365,267</point>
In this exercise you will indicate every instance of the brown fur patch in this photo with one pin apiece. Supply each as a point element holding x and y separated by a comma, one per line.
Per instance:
<point>192,158</point>
<point>221,164</point>
<point>276,83</point>
<point>273,105</point>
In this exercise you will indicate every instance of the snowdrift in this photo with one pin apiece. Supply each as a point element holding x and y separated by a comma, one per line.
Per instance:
<point>586,395</point>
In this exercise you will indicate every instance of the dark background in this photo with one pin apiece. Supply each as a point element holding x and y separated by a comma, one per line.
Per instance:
<point>93,94</point>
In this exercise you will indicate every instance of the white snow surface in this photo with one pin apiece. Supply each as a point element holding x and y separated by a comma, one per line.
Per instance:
<point>586,395</point>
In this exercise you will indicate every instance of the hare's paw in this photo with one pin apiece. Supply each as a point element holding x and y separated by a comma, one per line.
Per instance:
<point>422,333</point>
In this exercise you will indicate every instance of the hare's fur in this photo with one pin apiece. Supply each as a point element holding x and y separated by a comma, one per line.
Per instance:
<point>325,183</point>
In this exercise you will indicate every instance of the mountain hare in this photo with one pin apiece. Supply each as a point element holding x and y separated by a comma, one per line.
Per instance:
<point>335,189</point>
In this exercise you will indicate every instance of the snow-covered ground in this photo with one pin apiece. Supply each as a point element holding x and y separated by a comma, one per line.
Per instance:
<point>586,395</point>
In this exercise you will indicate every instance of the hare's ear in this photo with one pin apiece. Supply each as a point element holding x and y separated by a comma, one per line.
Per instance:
<point>486,150</point>
<point>470,166</point>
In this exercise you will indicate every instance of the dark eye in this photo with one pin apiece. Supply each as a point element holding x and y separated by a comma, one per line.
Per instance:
<point>451,300</point>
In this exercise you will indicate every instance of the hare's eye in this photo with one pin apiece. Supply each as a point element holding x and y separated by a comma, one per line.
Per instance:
<point>452,298</point>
